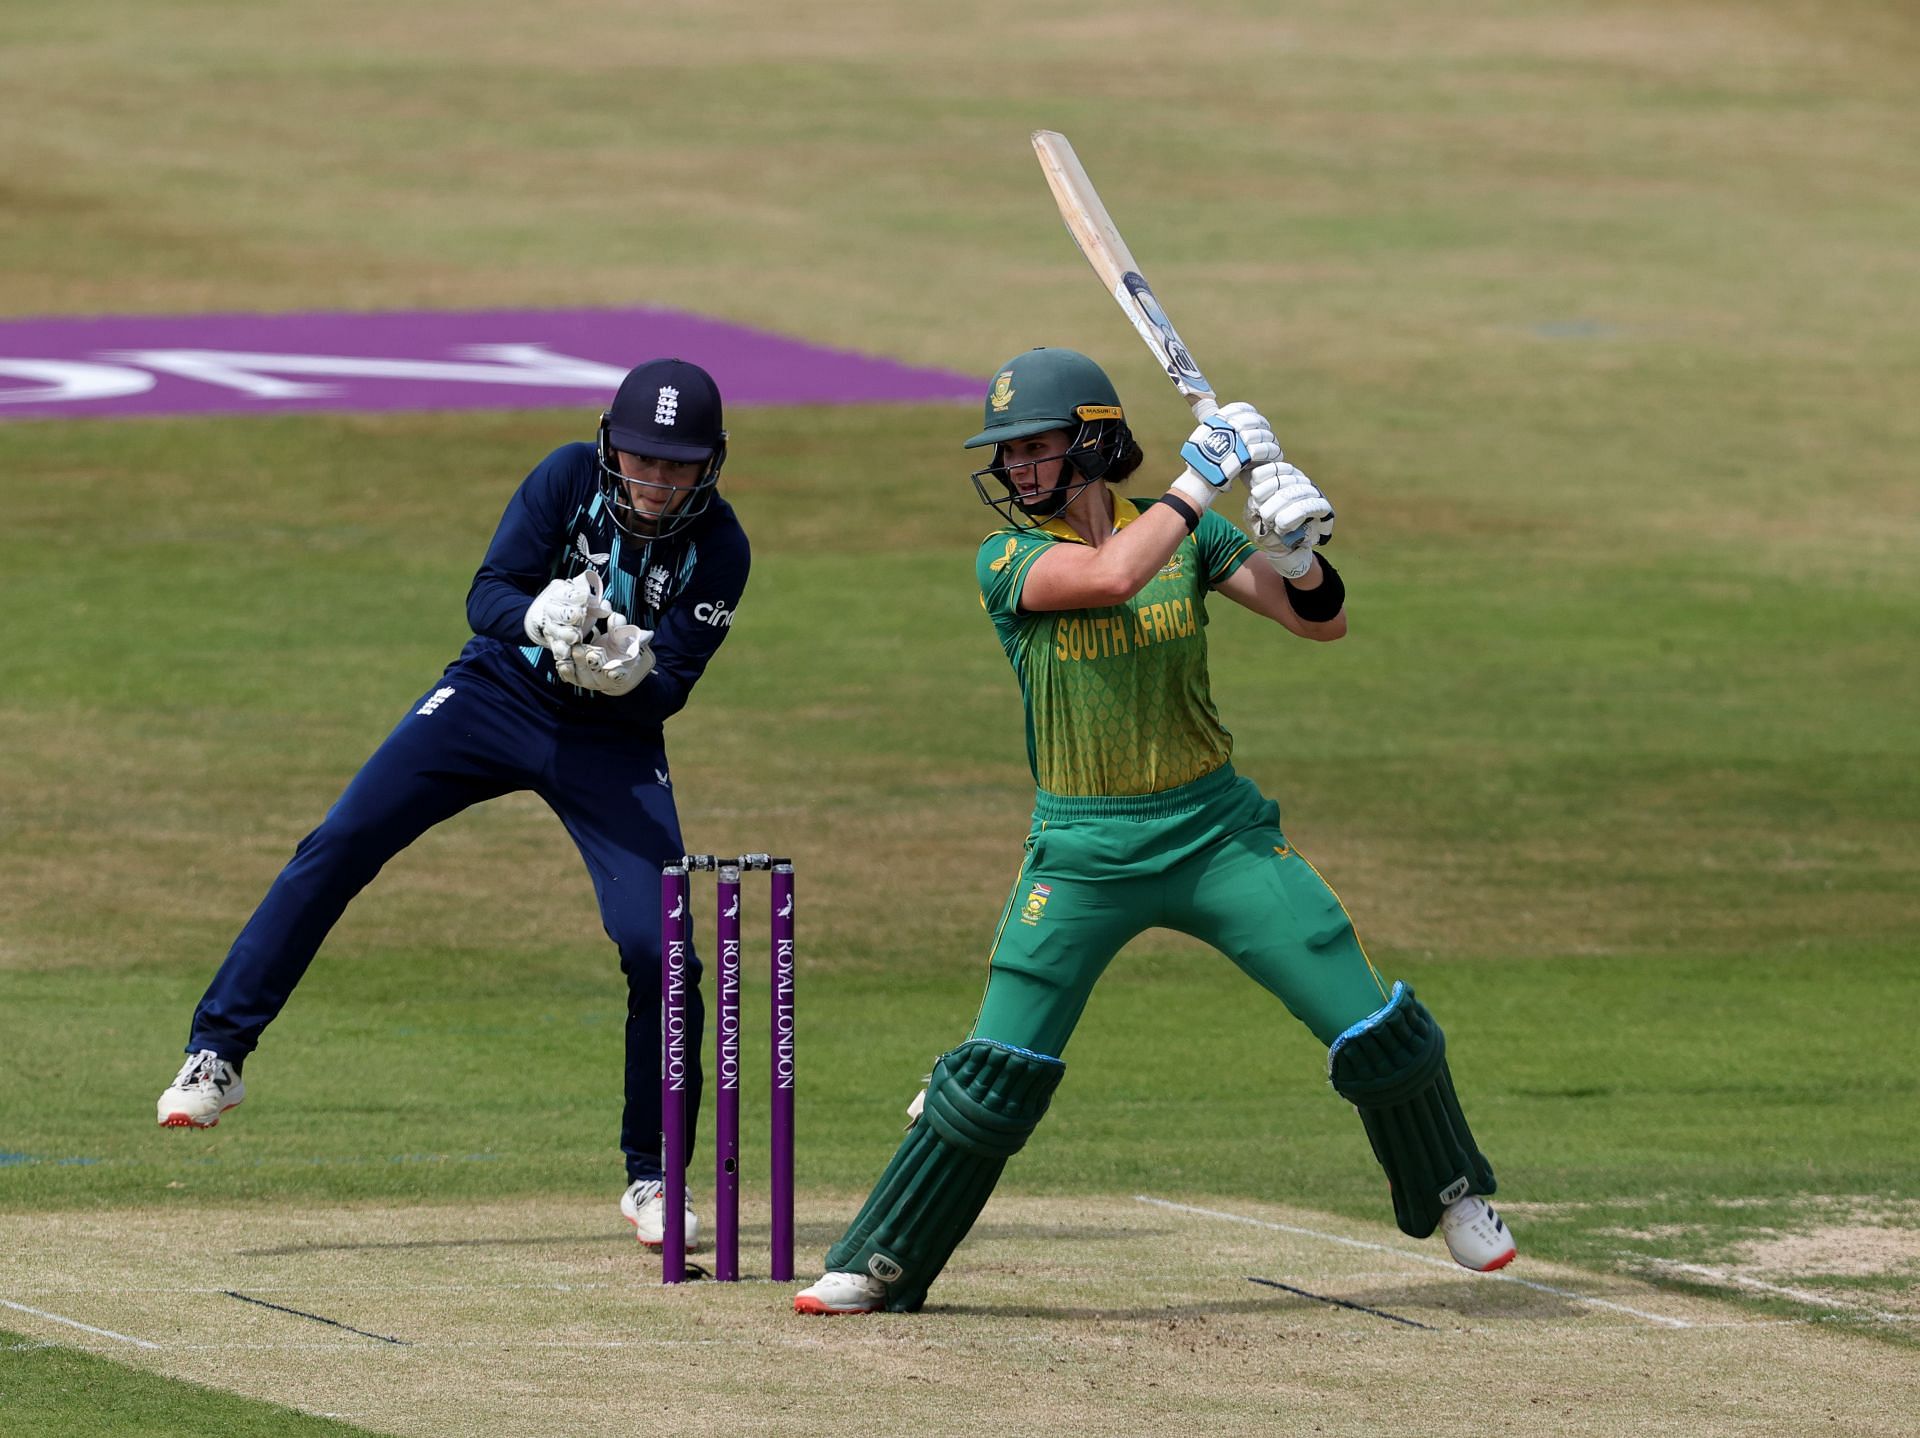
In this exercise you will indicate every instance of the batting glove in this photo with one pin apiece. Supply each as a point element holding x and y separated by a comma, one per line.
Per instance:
<point>1288,517</point>
<point>1255,431</point>
<point>1218,450</point>
<point>616,662</point>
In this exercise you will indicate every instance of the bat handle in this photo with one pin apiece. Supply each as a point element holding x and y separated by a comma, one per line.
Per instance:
<point>1204,406</point>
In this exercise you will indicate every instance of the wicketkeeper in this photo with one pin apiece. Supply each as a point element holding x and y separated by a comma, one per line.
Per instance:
<point>611,582</point>
<point>1140,821</point>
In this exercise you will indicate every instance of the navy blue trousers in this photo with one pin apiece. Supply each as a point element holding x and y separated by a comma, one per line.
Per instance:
<point>491,735</point>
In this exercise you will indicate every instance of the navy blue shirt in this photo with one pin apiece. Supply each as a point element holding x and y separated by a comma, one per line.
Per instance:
<point>685,587</point>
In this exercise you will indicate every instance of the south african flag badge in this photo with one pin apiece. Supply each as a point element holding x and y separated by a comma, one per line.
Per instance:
<point>1036,905</point>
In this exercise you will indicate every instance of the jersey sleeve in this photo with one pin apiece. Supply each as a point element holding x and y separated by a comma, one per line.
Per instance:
<point>519,562</point>
<point>1001,568</point>
<point>1223,548</point>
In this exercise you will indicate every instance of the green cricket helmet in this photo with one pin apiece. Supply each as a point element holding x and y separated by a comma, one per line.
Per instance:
<point>1048,389</point>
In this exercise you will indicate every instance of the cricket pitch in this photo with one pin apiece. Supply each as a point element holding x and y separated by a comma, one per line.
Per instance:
<point>1094,1315</point>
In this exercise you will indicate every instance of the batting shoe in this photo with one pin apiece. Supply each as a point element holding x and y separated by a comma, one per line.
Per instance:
<point>1476,1236</point>
<point>206,1087</point>
<point>644,1205</point>
<point>842,1293</point>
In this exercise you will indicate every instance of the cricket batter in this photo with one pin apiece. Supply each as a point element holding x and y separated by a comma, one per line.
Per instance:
<point>611,582</point>
<point>1141,822</point>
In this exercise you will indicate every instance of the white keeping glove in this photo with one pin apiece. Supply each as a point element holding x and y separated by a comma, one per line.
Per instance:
<point>598,610</point>
<point>616,662</point>
<point>1288,516</point>
<point>563,614</point>
<point>1225,443</point>
<point>558,611</point>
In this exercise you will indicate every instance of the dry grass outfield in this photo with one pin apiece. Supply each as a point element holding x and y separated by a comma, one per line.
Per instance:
<point>1105,1316</point>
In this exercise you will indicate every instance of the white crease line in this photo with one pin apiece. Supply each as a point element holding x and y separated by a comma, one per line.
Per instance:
<point>70,1291</point>
<point>1792,1322</point>
<point>1820,1300</point>
<point>75,1323</point>
<point>507,1345</point>
<point>1445,1263</point>
<point>488,1345</point>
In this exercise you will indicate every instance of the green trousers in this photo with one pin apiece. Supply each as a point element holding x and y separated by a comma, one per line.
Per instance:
<point>1207,859</point>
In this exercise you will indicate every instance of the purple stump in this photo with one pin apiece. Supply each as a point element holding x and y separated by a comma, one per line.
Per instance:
<point>726,1135</point>
<point>781,1129</point>
<point>674,927</point>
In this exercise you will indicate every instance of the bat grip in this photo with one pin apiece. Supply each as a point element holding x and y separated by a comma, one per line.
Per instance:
<point>1204,406</point>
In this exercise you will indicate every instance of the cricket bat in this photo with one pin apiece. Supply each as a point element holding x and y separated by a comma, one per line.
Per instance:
<point>1093,231</point>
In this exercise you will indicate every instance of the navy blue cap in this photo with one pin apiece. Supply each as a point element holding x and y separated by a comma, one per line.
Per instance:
<point>667,409</point>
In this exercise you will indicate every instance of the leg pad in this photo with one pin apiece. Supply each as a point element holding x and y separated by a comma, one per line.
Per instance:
<point>1392,1067</point>
<point>982,1102</point>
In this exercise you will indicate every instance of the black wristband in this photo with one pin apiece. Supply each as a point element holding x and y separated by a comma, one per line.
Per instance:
<point>1180,507</point>
<point>1324,600</point>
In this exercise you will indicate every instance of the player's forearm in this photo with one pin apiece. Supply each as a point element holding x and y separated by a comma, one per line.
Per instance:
<point>1128,563</point>
<point>1316,604</point>
<point>1080,577</point>
<point>497,607</point>
<point>1256,585</point>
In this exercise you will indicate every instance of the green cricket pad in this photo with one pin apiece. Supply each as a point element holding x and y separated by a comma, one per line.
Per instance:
<point>983,1101</point>
<point>1392,1067</point>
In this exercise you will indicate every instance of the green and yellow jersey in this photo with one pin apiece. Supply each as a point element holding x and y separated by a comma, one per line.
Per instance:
<point>1117,699</point>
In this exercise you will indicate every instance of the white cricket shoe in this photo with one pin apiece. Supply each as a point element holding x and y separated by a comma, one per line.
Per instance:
<point>644,1205</point>
<point>1475,1235</point>
<point>206,1087</point>
<point>842,1293</point>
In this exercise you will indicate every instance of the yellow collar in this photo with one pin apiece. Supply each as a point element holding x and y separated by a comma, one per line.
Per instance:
<point>1124,513</point>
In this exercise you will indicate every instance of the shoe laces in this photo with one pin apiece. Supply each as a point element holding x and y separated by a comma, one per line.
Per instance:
<point>200,1068</point>
<point>1475,1211</point>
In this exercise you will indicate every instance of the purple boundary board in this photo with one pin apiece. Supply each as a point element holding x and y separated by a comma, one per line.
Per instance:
<point>424,360</point>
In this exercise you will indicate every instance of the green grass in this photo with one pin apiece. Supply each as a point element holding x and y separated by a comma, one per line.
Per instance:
<point>1649,871</point>
<point>1592,320</point>
<point>45,1389</point>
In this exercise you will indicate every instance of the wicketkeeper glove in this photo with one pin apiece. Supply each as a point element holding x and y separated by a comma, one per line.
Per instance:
<point>598,610</point>
<point>563,615</point>
<point>616,662</point>
<point>557,613</point>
